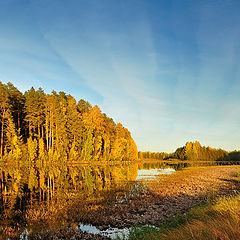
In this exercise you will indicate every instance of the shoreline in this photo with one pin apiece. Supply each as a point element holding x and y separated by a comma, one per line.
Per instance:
<point>170,195</point>
<point>155,202</point>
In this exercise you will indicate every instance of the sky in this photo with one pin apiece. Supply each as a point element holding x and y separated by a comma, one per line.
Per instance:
<point>168,70</point>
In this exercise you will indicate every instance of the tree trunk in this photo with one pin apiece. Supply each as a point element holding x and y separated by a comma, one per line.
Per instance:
<point>18,125</point>
<point>50,188</point>
<point>48,191</point>
<point>53,186</point>
<point>47,134</point>
<point>1,141</point>
<point>38,131</point>
<point>42,133</point>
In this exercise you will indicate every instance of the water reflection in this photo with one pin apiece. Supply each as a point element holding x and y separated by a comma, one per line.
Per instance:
<point>30,193</point>
<point>151,174</point>
<point>27,193</point>
<point>112,233</point>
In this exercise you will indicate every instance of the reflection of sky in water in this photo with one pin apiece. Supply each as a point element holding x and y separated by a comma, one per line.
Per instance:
<point>152,173</point>
<point>111,232</point>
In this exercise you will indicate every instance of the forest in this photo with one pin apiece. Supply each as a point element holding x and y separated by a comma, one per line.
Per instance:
<point>44,136</point>
<point>57,128</point>
<point>192,151</point>
<point>153,155</point>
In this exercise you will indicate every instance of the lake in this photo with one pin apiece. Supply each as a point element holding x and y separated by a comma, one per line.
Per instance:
<point>60,195</point>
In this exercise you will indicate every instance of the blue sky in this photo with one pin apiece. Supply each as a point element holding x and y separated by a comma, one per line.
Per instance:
<point>168,70</point>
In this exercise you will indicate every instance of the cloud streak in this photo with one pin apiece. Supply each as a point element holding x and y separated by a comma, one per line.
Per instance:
<point>168,72</point>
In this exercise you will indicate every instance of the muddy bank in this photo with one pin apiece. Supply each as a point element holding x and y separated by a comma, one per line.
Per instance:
<point>64,233</point>
<point>167,196</point>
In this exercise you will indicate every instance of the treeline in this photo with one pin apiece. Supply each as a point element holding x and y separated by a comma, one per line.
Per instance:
<point>35,125</point>
<point>194,151</point>
<point>232,156</point>
<point>153,155</point>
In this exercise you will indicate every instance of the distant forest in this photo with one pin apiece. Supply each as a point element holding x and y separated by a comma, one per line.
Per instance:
<point>35,125</point>
<point>153,155</point>
<point>193,151</point>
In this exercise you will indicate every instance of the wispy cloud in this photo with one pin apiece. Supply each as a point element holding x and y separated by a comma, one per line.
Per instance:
<point>168,72</point>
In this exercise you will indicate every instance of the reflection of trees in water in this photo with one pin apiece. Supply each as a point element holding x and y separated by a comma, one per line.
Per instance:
<point>162,165</point>
<point>55,179</point>
<point>25,187</point>
<point>151,165</point>
<point>181,165</point>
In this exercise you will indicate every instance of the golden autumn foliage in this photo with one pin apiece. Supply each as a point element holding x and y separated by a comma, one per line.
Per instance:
<point>194,151</point>
<point>59,128</point>
<point>153,155</point>
<point>43,137</point>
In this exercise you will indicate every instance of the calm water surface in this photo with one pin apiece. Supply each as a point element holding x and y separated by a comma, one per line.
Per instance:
<point>27,195</point>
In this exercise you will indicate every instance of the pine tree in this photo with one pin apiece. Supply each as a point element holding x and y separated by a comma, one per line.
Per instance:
<point>35,112</point>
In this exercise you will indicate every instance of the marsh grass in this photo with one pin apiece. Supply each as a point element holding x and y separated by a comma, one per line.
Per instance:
<point>71,211</point>
<point>238,173</point>
<point>217,219</point>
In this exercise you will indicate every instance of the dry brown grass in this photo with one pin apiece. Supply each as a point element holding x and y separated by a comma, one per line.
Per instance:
<point>220,221</point>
